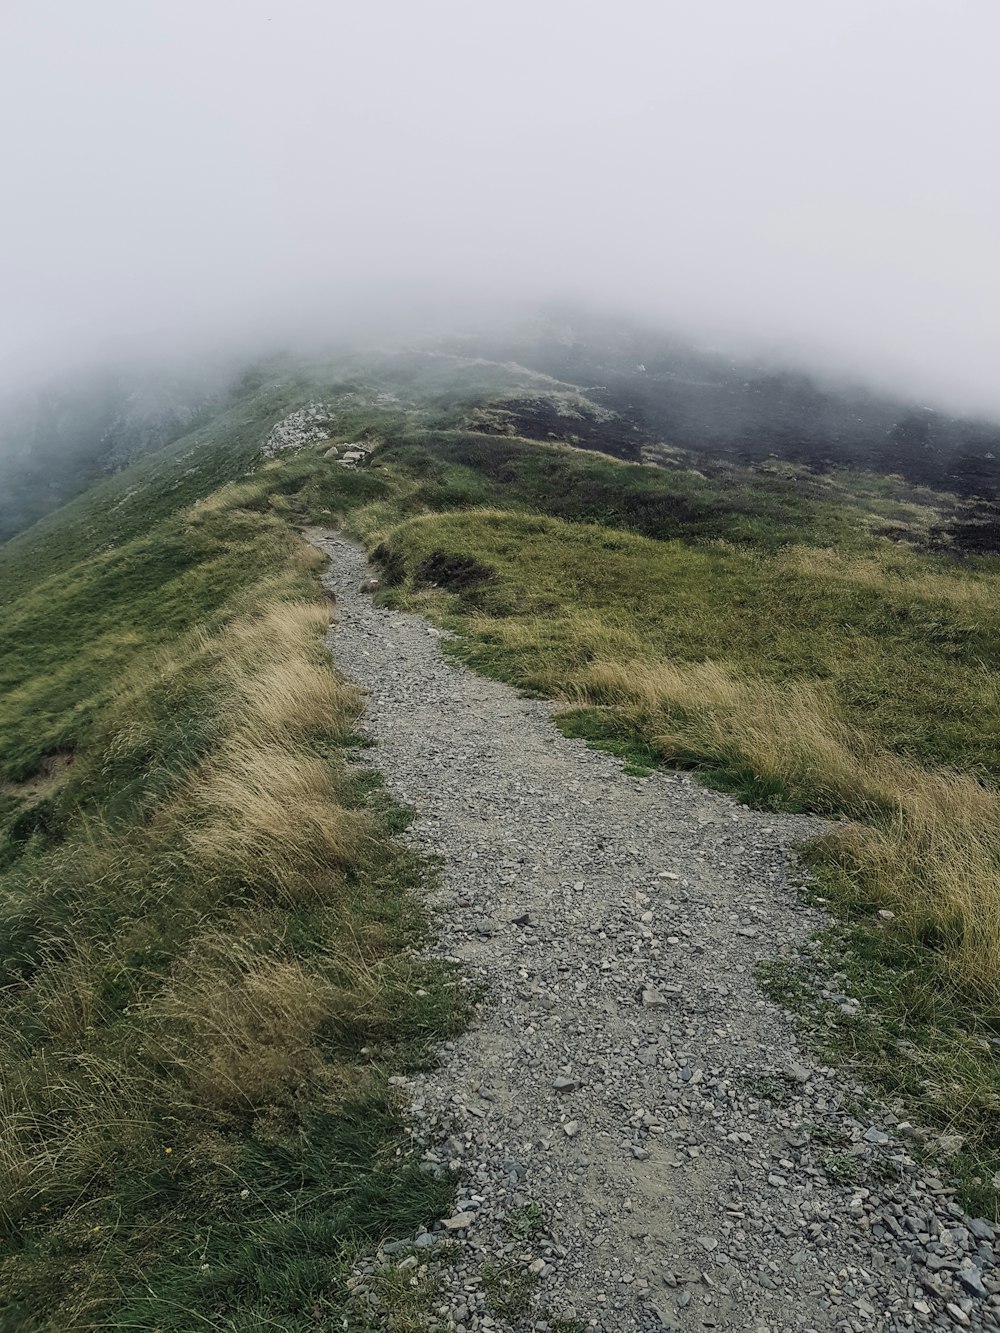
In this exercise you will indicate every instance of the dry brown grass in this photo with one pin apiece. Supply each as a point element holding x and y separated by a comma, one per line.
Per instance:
<point>236,1025</point>
<point>267,807</point>
<point>295,700</point>
<point>935,861</point>
<point>286,692</point>
<point>786,734</point>
<point>888,573</point>
<point>234,495</point>
<point>929,844</point>
<point>271,819</point>
<point>58,1120</point>
<point>67,994</point>
<point>239,1022</point>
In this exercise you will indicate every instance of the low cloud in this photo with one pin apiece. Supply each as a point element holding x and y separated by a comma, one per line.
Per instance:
<point>815,182</point>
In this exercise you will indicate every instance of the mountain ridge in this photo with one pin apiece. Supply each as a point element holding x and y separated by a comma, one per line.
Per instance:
<point>56,440</point>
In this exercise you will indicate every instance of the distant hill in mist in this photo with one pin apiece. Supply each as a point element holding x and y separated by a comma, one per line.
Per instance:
<point>702,400</point>
<point>57,439</point>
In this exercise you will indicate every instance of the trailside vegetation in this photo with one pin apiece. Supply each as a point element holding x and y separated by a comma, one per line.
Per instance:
<point>210,937</point>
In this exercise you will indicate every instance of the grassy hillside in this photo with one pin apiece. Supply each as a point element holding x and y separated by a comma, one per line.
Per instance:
<point>203,997</point>
<point>554,605</point>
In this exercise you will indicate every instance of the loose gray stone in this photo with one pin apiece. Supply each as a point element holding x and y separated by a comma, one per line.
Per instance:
<point>972,1282</point>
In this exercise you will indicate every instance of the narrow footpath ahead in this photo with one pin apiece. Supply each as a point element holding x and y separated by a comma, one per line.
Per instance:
<point>641,1143</point>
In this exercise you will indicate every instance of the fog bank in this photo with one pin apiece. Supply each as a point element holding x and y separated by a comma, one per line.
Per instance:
<point>808,181</point>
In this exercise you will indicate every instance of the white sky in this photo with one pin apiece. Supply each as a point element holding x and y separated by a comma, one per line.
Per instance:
<point>818,177</point>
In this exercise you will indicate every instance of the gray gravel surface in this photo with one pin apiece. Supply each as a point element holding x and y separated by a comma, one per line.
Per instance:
<point>639,1142</point>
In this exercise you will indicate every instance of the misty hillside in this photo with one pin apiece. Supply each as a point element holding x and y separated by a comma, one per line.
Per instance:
<point>706,401</point>
<point>57,438</point>
<point>500,667</point>
<point>643,398</point>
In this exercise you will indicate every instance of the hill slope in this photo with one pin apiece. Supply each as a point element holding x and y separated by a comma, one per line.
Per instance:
<point>814,640</point>
<point>202,997</point>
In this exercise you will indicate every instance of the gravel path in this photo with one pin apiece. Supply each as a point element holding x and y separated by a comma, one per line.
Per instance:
<point>641,1143</point>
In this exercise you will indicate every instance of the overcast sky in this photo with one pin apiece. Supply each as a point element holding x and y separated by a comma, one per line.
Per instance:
<point>814,176</point>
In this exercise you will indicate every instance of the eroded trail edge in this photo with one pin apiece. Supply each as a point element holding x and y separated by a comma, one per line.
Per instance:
<point>641,1144</point>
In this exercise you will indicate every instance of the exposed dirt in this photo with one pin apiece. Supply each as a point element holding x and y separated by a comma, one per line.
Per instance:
<point>46,780</point>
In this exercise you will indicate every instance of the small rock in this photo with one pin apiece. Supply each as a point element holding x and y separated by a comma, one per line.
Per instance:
<point>972,1282</point>
<point>459,1222</point>
<point>665,1318</point>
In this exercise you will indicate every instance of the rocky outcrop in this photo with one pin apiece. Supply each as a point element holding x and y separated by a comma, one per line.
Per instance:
<point>306,425</point>
<point>354,454</point>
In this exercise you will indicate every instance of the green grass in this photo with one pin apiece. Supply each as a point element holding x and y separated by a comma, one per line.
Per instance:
<point>592,489</point>
<point>562,596</point>
<point>767,507</point>
<point>509,1288</point>
<point>203,1000</point>
<point>264,1239</point>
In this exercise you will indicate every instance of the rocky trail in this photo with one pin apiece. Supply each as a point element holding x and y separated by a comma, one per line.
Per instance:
<point>640,1144</point>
